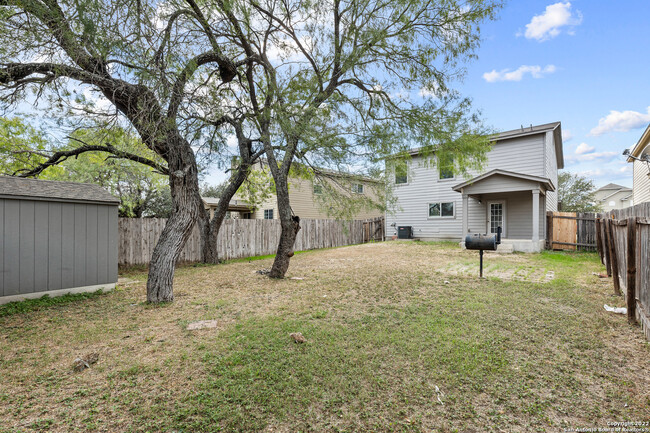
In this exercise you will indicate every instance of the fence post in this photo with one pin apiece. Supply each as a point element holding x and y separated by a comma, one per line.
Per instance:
<point>549,230</point>
<point>631,270</point>
<point>599,240</point>
<point>613,259</point>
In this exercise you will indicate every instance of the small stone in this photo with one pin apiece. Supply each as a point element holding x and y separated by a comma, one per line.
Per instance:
<point>298,337</point>
<point>202,324</point>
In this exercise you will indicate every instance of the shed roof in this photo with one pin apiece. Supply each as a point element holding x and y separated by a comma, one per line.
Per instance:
<point>36,189</point>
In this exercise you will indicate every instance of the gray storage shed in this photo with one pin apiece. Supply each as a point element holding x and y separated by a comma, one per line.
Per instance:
<point>55,238</point>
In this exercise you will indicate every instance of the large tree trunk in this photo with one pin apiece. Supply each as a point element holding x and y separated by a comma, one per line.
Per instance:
<point>211,229</point>
<point>184,184</point>
<point>290,226</point>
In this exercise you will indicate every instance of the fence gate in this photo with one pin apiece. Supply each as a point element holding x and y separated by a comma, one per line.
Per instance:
<point>571,231</point>
<point>373,230</point>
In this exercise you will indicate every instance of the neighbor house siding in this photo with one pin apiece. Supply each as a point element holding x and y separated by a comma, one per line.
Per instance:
<point>641,182</point>
<point>306,204</point>
<point>49,245</point>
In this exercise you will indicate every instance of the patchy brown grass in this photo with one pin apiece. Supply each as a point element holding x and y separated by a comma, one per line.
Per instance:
<point>391,327</point>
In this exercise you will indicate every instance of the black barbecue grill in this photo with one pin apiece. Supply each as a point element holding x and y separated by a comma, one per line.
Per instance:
<point>483,242</point>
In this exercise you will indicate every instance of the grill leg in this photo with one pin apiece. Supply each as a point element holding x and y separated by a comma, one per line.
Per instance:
<point>481,255</point>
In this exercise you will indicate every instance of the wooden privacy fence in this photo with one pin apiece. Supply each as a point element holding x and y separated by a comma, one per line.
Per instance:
<point>624,247</point>
<point>571,231</point>
<point>239,238</point>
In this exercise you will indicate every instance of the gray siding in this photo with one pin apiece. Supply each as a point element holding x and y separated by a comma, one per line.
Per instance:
<point>56,245</point>
<point>551,171</point>
<point>521,155</point>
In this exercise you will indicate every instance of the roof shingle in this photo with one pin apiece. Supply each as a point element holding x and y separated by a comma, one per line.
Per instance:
<point>18,187</point>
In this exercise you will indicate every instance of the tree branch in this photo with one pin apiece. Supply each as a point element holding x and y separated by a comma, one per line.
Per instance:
<point>62,155</point>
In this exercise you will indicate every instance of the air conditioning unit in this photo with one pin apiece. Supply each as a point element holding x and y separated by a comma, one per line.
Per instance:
<point>404,232</point>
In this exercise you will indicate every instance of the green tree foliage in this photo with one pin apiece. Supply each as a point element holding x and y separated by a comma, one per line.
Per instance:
<point>142,191</point>
<point>21,146</point>
<point>576,193</point>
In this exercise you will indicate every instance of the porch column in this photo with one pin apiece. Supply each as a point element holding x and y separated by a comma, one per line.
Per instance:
<point>465,216</point>
<point>535,217</point>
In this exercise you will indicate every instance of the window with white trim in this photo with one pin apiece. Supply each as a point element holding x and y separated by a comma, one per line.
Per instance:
<point>401,173</point>
<point>318,188</point>
<point>442,209</point>
<point>268,214</point>
<point>357,188</point>
<point>446,167</point>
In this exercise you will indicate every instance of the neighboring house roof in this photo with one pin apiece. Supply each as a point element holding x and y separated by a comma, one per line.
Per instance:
<point>234,205</point>
<point>612,186</point>
<point>640,146</point>
<point>555,127</point>
<point>497,172</point>
<point>613,189</point>
<point>36,189</point>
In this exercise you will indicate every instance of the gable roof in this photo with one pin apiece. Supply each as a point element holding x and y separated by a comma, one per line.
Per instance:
<point>612,186</point>
<point>638,148</point>
<point>36,189</point>
<point>497,172</point>
<point>555,127</point>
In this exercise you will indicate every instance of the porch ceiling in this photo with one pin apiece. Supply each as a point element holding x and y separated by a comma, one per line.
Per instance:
<point>502,181</point>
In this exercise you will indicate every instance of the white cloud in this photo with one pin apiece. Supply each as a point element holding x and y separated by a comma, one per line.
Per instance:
<point>592,156</point>
<point>547,25</point>
<point>535,71</point>
<point>566,135</point>
<point>584,148</point>
<point>621,121</point>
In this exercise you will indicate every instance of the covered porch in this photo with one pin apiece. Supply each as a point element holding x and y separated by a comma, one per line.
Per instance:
<point>515,202</point>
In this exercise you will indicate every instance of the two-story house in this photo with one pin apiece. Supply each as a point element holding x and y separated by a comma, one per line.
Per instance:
<point>514,192</point>
<point>640,157</point>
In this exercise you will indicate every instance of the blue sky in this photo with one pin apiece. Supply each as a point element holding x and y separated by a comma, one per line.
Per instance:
<point>584,63</point>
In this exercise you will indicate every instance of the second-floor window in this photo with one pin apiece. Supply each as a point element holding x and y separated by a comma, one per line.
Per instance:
<point>401,172</point>
<point>446,167</point>
<point>268,214</point>
<point>318,188</point>
<point>357,188</point>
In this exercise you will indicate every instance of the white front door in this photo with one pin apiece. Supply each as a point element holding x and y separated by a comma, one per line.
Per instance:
<point>496,217</point>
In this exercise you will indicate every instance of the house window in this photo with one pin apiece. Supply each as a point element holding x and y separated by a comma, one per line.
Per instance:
<point>357,188</point>
<point>318,188</point>
<point>612,203</point>
<point>441,209</point>
<point>401,172</point>
<point>446,167</point>
<point>268,214</point>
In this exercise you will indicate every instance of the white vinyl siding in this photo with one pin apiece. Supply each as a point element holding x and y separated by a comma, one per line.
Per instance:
<point>641,182</point>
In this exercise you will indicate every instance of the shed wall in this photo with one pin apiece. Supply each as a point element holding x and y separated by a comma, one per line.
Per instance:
<point>48,246</point>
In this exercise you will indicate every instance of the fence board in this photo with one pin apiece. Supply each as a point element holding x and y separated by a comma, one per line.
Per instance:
<point>239,238</point>
<point>629,242</point>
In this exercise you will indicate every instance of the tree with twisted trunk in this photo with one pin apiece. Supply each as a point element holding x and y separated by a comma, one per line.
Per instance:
<point>156,65</point>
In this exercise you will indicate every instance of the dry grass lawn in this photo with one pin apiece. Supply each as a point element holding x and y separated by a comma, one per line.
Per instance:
<point>402,336</point>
